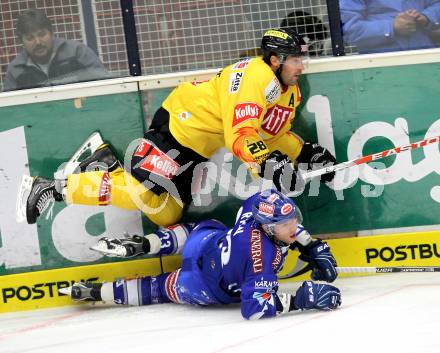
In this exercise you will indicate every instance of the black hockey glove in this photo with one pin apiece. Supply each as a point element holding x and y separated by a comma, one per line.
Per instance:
<point>318,254</point>
<point>279,168</point>
<point>316,157</point>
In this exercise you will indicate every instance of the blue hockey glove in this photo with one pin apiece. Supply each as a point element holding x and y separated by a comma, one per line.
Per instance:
<point>319,256</point>
<point>317,296</point>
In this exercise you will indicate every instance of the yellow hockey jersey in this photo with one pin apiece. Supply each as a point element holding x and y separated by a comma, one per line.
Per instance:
<point>243,108</point>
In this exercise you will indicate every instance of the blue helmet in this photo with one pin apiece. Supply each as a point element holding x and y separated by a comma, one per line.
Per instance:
<point>272,207</point>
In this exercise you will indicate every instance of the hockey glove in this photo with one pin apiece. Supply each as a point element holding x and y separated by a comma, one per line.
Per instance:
<point>283,173</point>
<point>317,296</point>
<point>318,254</point>
<point>314,154</point>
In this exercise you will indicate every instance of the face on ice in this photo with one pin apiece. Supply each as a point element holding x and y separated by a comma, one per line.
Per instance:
<point>285,232</point>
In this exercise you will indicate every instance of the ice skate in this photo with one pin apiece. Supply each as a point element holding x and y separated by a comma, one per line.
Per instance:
<point>35,196</point>
<point>125,247</point>
<point>83,291</point>
<point>100,157</point>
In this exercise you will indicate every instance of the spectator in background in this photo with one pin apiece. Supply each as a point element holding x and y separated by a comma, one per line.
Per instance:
<point>383,25</point>
<point>47,60</point>
<point>311,28</point>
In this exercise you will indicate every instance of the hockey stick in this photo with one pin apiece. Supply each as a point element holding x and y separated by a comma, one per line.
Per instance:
<point>366,270</point>
<point>371,157</point>
<point>387,269</point>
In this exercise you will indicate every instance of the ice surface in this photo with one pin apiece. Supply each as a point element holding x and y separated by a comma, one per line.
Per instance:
<point>384,313</point>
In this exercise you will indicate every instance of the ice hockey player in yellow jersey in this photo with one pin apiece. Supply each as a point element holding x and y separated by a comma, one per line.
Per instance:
<point>248,107</point>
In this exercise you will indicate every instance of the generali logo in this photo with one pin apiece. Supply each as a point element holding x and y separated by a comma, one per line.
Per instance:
<point>256,251</point>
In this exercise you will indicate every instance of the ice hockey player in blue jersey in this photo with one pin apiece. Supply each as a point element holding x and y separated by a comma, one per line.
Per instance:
<point>222,266</point>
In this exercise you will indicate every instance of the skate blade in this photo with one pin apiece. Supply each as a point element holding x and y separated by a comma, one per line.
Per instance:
<point>91,144</point>
<point>23,193</point>
<point>66,291</point>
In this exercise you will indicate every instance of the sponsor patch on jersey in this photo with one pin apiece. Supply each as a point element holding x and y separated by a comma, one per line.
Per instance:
<point>142,149</point>
<point>246,111</point>
<point>272,91</point>
<point>256,251</point>
<point>266,209</point>
<point>263,298</point>
<point>242,64</point>
<point>264,284</point>
<point>235,81</point>
<point>184,116</point>
<point>159,163</point>
<point>286,209</point>
<point>104,190</point>
<point>276,118</point>
<point>277,259</point>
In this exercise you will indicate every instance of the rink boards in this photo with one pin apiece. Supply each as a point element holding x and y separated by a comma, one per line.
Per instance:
<point>353,106</point>
<point>36,290</point>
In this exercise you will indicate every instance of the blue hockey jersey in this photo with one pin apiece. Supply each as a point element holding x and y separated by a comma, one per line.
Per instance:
<point>241,265</point>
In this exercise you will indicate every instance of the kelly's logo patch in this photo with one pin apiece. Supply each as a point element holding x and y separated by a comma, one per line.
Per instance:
<point>246,111</point>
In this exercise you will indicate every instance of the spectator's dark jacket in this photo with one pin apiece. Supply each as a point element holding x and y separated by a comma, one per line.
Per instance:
<point>73,62</point>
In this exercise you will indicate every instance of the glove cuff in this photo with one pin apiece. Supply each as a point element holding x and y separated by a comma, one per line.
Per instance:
<point>305,154</point>
<point>305,249</point>
<point>284,303</point>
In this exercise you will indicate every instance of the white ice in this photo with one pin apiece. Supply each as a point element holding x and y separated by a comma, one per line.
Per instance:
<point>383,313</point>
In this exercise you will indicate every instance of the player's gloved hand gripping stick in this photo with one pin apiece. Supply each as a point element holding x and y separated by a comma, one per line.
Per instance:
<point>300,268</point>
<point>371,157</point>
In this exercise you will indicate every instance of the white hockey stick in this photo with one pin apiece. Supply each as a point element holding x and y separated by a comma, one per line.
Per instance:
<point>297,272</point>
<point>371,157</point>
<point>301,269</point>
<point>387,269</point>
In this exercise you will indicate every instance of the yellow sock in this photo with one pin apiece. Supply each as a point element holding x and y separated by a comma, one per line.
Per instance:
<point>122,190</point>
